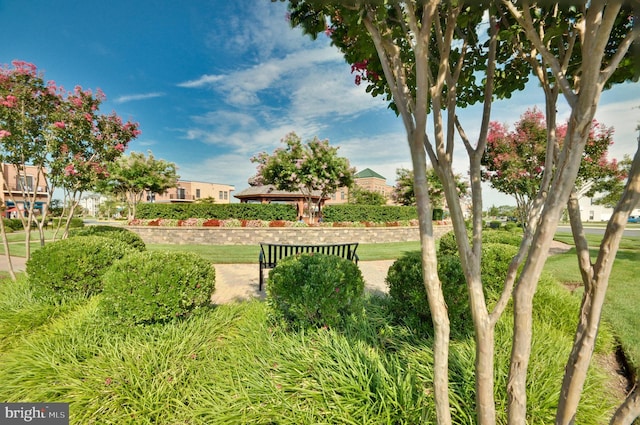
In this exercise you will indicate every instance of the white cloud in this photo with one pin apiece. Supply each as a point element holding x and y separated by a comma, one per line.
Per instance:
<point>203,81</point>
<point>141,96</point>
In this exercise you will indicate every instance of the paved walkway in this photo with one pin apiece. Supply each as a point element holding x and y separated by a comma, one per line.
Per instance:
<point>238,282</point>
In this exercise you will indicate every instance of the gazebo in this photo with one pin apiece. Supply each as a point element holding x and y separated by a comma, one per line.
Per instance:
<point>267,194</point>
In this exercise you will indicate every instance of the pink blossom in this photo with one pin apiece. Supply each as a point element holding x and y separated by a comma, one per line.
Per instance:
<point>24,68</point>
<point>70,170</point>
<point>88,116</point>
<point>59,124</point>
<point>77,102</point>
<point>10,101</point>
<point>119,147</point>
<point>4,133</point>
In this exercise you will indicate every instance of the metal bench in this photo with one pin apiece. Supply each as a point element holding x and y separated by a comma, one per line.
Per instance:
<point>271,253</point>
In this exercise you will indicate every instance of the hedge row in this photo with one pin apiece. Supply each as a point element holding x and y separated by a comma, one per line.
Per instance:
<point>368,213</point>
<point>218,211</point>
<point>16,224</point>
<point>271,212</point>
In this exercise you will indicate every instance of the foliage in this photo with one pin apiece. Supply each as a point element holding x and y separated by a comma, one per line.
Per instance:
<point>315,290</point>
<point>310,168</point>
<point>370,370</point>
<point>404,193</point>
<point>509,211</point>
<point>13,223</point>
<point>240,211</point>
<point>120,233</point>
<point>73,267</point>
<point>74,223</point>
<point>367,213</point>
<point>608,190</point>
<point>361,196</point>
<point>448,246</point>
<point>514,161</point>
<point>47,128</point>
<point>152,287</point>
<point>408,297</point>
<point>130,177</point>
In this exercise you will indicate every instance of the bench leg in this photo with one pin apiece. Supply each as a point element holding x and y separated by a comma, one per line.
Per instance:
<point>261,280</point>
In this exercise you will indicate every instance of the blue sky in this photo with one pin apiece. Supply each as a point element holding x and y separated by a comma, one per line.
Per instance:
<point>214,82</point>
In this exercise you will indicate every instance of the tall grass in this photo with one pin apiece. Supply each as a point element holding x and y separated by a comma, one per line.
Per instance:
<point>232,365</point>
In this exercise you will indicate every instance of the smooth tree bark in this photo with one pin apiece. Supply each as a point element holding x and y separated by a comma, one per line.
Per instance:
<point>413,112</point>
<point>582,94</point>
<point>595,278</point>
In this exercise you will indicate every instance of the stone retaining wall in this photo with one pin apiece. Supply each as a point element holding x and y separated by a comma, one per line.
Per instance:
<point>302,235</point>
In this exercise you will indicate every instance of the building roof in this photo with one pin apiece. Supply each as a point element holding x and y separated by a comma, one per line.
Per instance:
<point>367,173</point>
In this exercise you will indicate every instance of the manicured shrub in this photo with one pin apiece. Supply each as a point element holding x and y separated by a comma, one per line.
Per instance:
<point>447,242</point>
<point>74,266</point>
<point>240,211</point>
<point>119,233</point>
<point>315,290</point>
<point>375,213</point>
<point>13,224</point>
<point>503,237</point>
<point>495,224</point>
<point>155,287</point>
<point>408,297</point>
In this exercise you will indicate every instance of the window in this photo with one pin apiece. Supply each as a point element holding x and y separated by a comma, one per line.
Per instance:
<point>24,183</point>
<point>197,193</point>
<point>592,215</point>
<point>181,193</point>
<point>226,195</point>
<point>220,196</point>
<point>342,195</point>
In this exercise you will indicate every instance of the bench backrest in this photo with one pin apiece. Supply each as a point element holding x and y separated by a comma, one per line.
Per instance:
<point>270,253</point>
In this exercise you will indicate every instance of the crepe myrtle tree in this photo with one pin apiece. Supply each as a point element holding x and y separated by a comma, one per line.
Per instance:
<point>430,58</point>
<point>85,144</point>
<point>133,175</point>
<point>514,160</point>
<point>313,168</point>
<point>60,134</point>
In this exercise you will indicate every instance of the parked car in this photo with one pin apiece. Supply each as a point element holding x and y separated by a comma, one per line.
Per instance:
<point>634,219</point>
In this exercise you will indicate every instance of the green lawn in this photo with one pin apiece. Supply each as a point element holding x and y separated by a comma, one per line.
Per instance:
<point>623,296</point>
<point>229,254</point>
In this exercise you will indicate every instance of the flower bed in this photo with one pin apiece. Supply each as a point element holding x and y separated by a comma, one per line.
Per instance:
<point>199,222</point>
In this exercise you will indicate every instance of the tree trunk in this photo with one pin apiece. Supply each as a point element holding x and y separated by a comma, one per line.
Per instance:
<point>5,244</point>
<point>629,410</point>
<point>527,284</point>
<point>596,281</point>
<point>433,287</point>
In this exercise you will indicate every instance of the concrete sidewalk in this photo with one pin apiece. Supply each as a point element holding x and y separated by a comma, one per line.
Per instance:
<point>19,263</point>
<point>239,282</point>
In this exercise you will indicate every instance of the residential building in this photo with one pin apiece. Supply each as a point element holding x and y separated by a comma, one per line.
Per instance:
<point>590,211</point>
<point>16,185</point>
<point>366,179</point>
<point>191,191</point>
